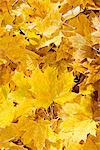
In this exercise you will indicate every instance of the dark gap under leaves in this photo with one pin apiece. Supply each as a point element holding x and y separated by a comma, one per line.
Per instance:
<point>75,89</point>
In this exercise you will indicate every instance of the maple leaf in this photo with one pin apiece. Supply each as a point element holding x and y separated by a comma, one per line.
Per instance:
<point>74,147</point>
<point>90,144</point>
<point>95,34</point>
<point>81,108</point>
<point>81,25</point>
<point>6,113</point>
<point>14,52</point>
<point>43,86</point>
<point>8,133</point>
<point>77,41</point>
<point>50,23</point>
<point>73,134</point>
<point>36,132</point>
<point>56,40</point>
<point>21,96</point>
<point>65,84</point>
<point>96,22</point>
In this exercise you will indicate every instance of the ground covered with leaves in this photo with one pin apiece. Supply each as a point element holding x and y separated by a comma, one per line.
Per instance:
<point>49,75</point>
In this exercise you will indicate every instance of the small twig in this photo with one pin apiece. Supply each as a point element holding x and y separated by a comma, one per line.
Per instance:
<point>66,24</point>
<point>15,2</point>
<point>8,140</point>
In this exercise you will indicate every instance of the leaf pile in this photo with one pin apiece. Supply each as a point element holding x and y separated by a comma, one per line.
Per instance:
<point>49,75</point>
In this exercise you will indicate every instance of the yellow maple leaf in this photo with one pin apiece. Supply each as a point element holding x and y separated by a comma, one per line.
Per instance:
<point>65,84</point>
<point>8,133</point>
<point>95,34</point>
<point>76,132</point>
<point>21,96</point>
<point>74,147</point>
<point>55,39</point>
<point>7,110</point>
<point>36,132</point>
<point>90,144</point>
<point>6,113</point>
<point>43,86</point>
<point>50,24</point>
<point>78,41</point>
